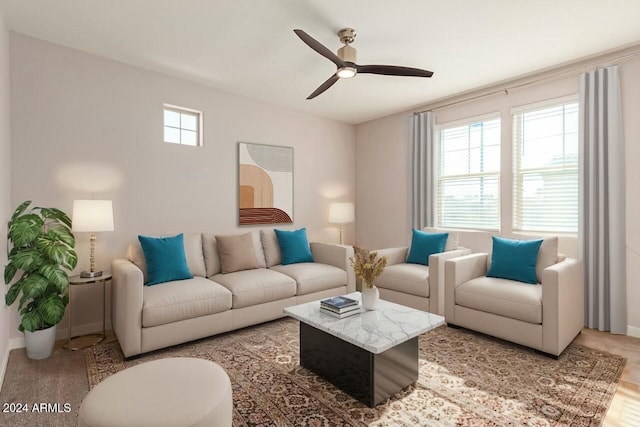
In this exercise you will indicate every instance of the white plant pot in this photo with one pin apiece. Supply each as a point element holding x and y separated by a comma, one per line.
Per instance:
<point>370,298</point>
<point>40,343</point>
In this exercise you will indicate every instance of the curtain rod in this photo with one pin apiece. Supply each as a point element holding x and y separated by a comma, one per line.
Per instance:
<point>549,77</point>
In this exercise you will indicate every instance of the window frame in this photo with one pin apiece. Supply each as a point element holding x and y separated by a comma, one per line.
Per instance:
<point>468,121</point>
<point>515,199</point>
<point>188,111</point>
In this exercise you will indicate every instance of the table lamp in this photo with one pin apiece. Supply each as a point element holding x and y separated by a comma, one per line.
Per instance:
<point>92,216</point>
<point>341,213</point>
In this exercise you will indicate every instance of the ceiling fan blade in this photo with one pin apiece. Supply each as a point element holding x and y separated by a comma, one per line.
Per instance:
<point>324,86</point>
<point>319,47</point>
<point>393,70</point>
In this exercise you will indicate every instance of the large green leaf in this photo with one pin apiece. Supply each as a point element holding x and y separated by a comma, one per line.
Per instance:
<point>63,234</point>
<point>13,292</point>
<point>25,229</point>
<point>28,260</point>
<point>71,260</point>
<point>55,275</point>
<point>35,285</point>
<point>32,321</point>
<point>56,214</point>
<point>52,309</point>
<point>10,271</point>
<point>20,209</point>
<point>54,250</point>
<point>24,298</point>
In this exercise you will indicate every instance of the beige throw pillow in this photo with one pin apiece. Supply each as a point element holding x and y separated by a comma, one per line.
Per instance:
<point>236,253</point>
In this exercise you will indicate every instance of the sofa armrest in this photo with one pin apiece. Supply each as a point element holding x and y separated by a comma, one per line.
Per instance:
<point>436,278</point>
<point>337,256</point>
<point>457,271</point>
<point>562,304</point>
<point>126,305</point>
<point>394,255</point>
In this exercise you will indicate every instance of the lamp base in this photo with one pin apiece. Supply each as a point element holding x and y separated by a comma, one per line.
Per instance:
<point>90,274</point>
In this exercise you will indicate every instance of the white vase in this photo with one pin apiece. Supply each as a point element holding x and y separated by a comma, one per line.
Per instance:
<point>40,344</point>
<point>370,298</point>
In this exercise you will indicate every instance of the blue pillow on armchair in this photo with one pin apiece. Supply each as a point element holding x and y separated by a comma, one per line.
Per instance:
<point>514,259</point>
<point>165,258</point>
<point>424,244</point>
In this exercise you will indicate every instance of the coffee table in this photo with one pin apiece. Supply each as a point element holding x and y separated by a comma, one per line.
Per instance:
<point>372,355</point>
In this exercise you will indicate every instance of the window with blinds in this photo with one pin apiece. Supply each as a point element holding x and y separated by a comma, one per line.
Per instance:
<point>545,169</point>
<point>468,175</point>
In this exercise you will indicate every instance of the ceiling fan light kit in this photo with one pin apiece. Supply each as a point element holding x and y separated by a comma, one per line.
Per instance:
<point>345,61</point>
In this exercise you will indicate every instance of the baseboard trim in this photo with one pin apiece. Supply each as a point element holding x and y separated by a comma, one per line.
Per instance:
<point>3,367</point>
<point>89,328</point>
<point>62,334</point>
<point>16,343</point>
<point>633,331</point>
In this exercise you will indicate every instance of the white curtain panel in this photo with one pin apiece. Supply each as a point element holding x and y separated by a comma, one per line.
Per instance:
<point>422,176</point>
<point>602,204</point>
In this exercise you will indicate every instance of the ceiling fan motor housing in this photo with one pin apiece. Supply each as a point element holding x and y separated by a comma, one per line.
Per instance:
<point>347,53</point>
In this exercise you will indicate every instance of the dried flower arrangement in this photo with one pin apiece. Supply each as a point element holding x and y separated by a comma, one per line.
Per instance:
<point>367,266</point>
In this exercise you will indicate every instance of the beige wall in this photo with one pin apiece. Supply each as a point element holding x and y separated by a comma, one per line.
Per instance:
<point>87,127</point>
<point>5,186</point>
<point>382,152</point>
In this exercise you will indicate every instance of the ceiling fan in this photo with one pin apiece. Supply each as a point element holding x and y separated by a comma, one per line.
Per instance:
<point>345,60</point>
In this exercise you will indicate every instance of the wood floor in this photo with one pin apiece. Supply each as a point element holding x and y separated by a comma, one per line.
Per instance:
<point>63,379</point>
<point>625,407</point>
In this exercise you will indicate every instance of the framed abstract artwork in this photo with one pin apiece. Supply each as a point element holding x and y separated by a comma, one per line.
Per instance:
<point>265,184</point>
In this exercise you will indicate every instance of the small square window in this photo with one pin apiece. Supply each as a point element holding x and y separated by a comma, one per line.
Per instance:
<point>182,126</point>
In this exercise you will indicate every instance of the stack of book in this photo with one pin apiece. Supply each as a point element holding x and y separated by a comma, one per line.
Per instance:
<point>340,307</point>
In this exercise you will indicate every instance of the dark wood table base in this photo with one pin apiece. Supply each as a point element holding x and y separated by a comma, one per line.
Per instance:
<point>368,377</point>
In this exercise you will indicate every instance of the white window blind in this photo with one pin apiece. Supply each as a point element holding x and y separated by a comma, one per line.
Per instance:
<point>182,125</point>
<point>545,166</point>
<point>468,175</point>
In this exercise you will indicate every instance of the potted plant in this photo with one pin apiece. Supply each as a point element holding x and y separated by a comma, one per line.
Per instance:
<point>42,249</point>
<point>368,266</point>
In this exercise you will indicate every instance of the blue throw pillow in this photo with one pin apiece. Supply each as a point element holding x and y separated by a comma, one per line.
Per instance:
<point>425,244</point>
<point>165,259</point>
<point>514,259</point>
<point>294,246</point>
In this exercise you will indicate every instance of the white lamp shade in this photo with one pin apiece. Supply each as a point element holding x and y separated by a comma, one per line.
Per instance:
<point>92,216</point>
<point>341,213</point>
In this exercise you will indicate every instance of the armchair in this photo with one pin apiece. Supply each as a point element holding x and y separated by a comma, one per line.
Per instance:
<point>545,316</point>
<point>416,285</point>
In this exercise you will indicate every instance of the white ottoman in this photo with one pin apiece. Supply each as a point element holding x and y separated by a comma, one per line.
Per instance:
<point>172,392</point>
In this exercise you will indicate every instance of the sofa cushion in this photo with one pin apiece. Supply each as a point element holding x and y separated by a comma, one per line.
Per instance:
<point>211,255</point>
<point>408,278</point>
<point>236,253</point>
<point>270,247</point>
<point>185,299</point>
<point>251,287</point>
<point>425,244</point>
<point>192,250</point>
<point>313,277</point>
<point>165,259</point>
<point>547,255</point>
<point>452,241</point>
<point>508,298</point>
<point>294,246</point>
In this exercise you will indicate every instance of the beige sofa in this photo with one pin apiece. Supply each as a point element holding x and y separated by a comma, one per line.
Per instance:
<point>416,285</point>
<point>147,318</point>
<point>546,316</point>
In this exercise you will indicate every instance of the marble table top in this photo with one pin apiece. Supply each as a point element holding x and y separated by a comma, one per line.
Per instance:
<point>375,331</point>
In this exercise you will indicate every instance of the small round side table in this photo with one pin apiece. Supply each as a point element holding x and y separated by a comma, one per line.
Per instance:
<point>82,341</point>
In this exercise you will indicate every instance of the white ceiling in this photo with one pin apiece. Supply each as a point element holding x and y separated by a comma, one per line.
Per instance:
<point>248,46</point>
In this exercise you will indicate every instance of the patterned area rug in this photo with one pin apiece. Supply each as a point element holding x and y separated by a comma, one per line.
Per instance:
<point>466,379</point>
